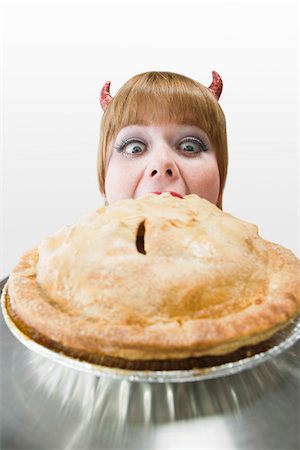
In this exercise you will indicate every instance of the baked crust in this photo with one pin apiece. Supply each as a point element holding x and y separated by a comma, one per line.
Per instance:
<point>202,282</point>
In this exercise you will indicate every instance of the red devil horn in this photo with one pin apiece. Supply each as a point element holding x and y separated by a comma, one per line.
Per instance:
<point>216,85</point>
<point>105,97</point>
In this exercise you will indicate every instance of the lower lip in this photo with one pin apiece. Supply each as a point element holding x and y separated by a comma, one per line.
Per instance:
<point>172,193</point>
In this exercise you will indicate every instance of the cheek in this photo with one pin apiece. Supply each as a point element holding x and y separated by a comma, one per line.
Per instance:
<point>119,181</point>
<point>206,182</point>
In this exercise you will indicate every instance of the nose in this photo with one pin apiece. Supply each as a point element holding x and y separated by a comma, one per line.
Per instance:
<point>162,166</point>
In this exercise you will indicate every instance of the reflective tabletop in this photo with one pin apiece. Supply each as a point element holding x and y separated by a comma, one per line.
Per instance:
<point>45,405</point>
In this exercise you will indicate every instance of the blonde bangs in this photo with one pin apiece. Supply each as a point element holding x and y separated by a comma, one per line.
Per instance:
<point>156,98</point>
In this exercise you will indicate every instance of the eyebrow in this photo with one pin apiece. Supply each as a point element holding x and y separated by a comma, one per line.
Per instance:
<point>179,127</point>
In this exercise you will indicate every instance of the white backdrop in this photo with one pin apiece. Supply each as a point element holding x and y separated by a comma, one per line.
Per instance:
<point>55,57</point>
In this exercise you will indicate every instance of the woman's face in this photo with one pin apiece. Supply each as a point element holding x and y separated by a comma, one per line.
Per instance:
<point>170,157</point>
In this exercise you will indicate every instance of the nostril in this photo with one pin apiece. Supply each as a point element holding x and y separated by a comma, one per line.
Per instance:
<point>140,238</point>
<point>168,171</point>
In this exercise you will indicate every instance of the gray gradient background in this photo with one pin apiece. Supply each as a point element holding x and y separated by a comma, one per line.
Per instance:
<point>56,55</point>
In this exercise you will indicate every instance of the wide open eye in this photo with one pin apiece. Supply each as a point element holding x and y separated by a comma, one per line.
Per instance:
<point>131,147</point>
<point>192,146</point>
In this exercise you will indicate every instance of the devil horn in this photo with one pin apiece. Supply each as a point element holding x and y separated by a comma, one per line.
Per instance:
<point>105,97</point>
<point>216,85</point>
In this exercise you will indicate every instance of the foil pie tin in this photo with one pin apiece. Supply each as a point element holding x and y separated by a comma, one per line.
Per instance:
<point>261,353</point>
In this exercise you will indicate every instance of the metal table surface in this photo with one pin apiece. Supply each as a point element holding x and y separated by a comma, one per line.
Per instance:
<point>45,405</point>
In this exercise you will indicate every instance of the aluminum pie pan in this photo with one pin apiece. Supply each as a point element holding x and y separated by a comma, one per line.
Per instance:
<point>278,343</point>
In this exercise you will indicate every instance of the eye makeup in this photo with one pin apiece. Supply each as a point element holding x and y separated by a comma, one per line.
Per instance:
<point>202,146</point>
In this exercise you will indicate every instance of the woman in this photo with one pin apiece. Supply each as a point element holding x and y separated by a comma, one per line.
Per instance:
<point>163,132</point>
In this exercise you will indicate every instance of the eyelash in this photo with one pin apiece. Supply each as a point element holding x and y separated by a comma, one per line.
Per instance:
<point>120,148</point>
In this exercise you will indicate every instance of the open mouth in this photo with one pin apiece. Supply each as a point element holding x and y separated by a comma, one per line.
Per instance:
<point>175,194</point>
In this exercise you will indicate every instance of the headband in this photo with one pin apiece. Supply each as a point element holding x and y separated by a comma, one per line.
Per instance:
<point>215,87</point>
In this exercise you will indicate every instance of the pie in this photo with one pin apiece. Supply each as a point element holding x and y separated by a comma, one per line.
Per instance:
<point>158,278</point>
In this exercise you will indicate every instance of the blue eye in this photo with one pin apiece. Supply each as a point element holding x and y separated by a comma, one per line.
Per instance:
<point>193,146</point>
<point>129,147</point>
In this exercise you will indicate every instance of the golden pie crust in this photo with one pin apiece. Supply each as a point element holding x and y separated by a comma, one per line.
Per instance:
<point>196,281</point>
